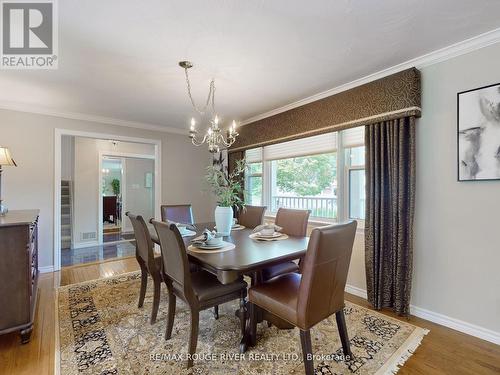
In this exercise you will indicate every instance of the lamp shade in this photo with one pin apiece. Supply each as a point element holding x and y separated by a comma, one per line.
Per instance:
<point>5,157</point>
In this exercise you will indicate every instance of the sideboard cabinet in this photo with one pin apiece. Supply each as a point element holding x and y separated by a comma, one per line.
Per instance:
<point>18,271</point>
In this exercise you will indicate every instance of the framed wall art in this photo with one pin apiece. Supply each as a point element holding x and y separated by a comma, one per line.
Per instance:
<point>478,128</point>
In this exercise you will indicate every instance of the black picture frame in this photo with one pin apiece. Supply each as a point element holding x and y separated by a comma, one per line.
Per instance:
<point>459,131</point>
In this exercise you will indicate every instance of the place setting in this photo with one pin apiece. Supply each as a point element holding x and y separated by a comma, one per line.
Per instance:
<point>268,232</point>
<point>210,242</point>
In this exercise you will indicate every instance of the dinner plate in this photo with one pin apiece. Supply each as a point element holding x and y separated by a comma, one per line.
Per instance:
<point>274,235</point>
<point>209,247</point>
<point>234,227</point>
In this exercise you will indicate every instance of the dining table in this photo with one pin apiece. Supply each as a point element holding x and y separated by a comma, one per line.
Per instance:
<point>248,258</point>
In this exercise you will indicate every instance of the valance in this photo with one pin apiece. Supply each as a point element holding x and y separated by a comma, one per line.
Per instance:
<point>388,98</point>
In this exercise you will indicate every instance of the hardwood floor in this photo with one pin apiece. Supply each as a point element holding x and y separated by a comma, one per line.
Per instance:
<point>443,350</point>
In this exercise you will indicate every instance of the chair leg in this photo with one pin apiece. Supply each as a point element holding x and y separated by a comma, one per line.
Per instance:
<point>171,315</point>
<point>305,341</point>
<point>144,284</point>
<point>344,338</point>
<point>242,315</point>
<point>193,337</point>
<point>216,312</point>
<point>156,299</point>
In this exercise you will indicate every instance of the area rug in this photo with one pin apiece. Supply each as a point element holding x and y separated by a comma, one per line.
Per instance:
<point>102,331</point>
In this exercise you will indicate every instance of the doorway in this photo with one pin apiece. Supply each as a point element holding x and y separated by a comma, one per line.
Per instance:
<point>89,221</point>
<point>127,184</point>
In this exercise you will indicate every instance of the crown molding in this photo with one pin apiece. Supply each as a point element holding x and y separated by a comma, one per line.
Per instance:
<point>90,118</point>
<point>437,56</point>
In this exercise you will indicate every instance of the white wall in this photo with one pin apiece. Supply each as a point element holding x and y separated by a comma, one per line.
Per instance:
<point>456,268</point>
<point>30,138</point>
<point>457,243</point>
<point>138,198</point>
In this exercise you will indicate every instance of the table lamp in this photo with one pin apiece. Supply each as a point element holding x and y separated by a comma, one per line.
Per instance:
<point>5,159</point>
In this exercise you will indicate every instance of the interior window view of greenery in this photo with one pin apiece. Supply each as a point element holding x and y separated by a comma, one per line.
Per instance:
<point>304,177</point>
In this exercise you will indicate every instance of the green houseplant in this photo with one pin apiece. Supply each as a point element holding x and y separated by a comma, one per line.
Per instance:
<point>228,189</point>
<point>115,185</point>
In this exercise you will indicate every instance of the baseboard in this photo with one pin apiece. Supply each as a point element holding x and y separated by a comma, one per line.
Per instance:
<point>456,324</point>
<point>46,269</point>
<point>356,291</point>
<point>444,320</point>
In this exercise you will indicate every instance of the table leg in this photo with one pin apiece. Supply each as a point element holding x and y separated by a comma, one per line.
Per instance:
<point>250,337</point>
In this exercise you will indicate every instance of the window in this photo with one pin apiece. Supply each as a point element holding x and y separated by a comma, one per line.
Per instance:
<point>304,174</point>
<point>355,166</point>
<point>306,183</point>
<point>253,177</point>
<point>253,184</point>
<point>353,142</point>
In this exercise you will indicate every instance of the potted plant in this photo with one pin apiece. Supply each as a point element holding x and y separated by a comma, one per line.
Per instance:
<point>115,185</point>
<point>228,190</point>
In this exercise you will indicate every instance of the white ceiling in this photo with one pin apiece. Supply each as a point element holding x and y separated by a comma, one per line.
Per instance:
<point>118,58</point>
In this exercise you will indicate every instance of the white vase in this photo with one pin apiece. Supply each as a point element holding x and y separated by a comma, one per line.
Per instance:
<point>224,220</point>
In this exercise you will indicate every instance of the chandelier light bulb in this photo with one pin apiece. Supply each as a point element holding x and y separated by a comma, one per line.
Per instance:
<point>193,124</point>
<point>216,120</point>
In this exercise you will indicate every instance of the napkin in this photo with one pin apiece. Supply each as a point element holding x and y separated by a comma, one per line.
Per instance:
<point>258,228</point>
<point>205,236</point>
<point>187,226</point>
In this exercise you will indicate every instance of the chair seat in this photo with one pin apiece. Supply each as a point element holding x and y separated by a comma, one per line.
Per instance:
<point>278,296</point>
<point>279,269</point>
<point>206,286</point>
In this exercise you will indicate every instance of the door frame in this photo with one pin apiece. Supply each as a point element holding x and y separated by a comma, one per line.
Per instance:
<point>58,133</point>
<point>123,155</point>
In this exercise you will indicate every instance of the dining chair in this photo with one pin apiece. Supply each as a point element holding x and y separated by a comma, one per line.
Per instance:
<point>306,299</point>
<point>251,216</point>
<point>200,290</point>
<point>293,223</point>
<point>149,262</point>
<point>177,213</point>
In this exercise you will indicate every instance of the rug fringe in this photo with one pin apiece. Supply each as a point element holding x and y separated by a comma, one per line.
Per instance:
<point>398,359</point>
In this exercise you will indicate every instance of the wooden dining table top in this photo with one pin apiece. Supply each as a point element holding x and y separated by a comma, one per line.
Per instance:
<point>248,255</point>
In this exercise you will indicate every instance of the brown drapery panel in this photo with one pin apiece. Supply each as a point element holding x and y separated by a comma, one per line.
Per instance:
<point>390,196</point>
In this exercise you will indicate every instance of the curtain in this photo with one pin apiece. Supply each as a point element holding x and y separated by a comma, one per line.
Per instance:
<point>390,205</point>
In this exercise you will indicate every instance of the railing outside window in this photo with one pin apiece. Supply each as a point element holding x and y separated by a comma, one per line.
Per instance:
<point>319,206</point>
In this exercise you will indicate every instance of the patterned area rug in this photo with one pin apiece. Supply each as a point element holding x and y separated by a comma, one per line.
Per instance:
<point>103,332</point>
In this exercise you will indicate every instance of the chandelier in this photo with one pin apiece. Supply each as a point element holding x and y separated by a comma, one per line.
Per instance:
<point>214,137</point>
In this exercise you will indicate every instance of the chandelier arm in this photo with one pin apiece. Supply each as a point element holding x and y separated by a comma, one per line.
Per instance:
<point>227,143</point>
<point>196,142</point>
